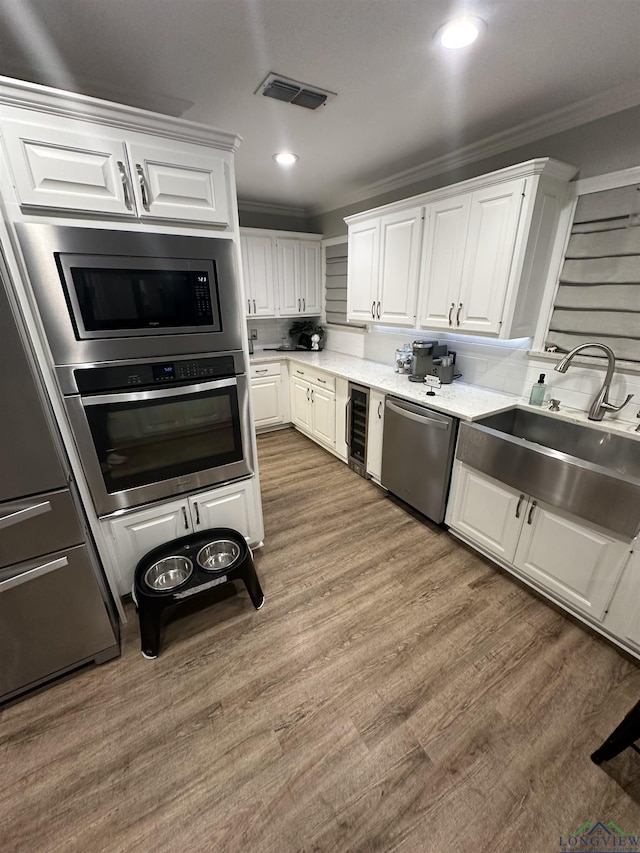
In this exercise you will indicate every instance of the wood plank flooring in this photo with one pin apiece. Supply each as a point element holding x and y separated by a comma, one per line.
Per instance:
<point>397,692</point>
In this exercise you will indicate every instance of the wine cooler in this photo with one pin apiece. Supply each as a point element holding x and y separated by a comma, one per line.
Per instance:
<point>356,428</point>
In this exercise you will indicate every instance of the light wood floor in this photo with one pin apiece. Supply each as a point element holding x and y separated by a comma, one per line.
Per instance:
<point>396,692</point>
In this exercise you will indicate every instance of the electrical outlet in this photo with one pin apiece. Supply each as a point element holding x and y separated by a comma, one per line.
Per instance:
<point>253,334</point>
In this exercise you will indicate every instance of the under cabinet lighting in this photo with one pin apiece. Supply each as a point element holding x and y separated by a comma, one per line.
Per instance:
<point>460,32</point>
<point>285,158</point>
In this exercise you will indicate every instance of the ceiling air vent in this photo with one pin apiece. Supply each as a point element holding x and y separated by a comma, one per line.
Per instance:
<point>284,89</point>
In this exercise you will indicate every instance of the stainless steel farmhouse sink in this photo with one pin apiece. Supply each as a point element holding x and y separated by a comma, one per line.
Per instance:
<point>586,471</point>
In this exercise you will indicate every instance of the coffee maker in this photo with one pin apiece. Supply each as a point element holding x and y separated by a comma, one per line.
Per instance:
<point>431,359</point>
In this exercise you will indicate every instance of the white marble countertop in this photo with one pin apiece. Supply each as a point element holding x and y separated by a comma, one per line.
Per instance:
<point>460,399</point>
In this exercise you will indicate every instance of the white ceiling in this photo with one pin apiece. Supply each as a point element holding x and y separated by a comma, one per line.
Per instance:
<point>404,105</point>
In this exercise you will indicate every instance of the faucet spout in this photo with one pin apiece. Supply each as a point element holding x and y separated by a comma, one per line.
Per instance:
<point>600,404</point>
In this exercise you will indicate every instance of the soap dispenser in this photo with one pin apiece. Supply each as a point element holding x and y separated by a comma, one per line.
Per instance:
<point>536,398</point>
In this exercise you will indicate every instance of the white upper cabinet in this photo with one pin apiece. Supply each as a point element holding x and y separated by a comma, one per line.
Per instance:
<point>482,256</point>
<point>69,164</point>
<point>75,167</point>
<point>362,271</point>
<point>186,182</point>
<point>383,268</point>
<point>259,278</point>
<point>282,273</point>
<point>441,274</point>
<point>488,255</point>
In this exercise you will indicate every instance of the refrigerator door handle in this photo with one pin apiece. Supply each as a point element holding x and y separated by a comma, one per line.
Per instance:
<point>21,511</point>
<point>31,574</point>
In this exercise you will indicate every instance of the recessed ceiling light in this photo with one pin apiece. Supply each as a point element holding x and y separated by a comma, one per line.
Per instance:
<point>460,32</point>
<point>285,158</point>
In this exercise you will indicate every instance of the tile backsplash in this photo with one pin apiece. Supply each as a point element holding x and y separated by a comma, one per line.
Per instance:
<point>500,365</point>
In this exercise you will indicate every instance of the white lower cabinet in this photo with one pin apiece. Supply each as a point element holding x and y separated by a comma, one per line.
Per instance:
<point>313,404</point>
<point>574,562</point>
<point>623,618</point>
<point>135,533</point>
<point>269,395</point>
<point>375,426</point>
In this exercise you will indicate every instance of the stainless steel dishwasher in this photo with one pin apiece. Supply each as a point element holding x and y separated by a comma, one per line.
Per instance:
<point>417,455</point>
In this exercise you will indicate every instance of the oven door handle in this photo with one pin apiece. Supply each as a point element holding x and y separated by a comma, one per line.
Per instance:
<point>158,394</point>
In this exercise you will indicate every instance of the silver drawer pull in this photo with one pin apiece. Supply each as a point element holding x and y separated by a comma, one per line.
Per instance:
<point>32,574</point>
<point>263,370</point>
<point>324,381</point>
<point>23,512</point>
<point>301,372</point>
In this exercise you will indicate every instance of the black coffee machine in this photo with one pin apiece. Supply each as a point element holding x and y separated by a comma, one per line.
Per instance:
<point>432,359</point>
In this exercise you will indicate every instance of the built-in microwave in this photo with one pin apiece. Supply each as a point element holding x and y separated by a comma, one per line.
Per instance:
<point>106,295</point>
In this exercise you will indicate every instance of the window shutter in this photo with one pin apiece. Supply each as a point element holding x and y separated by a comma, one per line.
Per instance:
<point>598,297</point>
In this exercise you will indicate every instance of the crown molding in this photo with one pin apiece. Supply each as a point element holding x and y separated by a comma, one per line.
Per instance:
<point>247,206</point>
<point>589,109</point>
<point>38,98</point>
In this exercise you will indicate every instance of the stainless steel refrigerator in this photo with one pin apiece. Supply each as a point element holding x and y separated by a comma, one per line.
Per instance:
<point>55,610</point>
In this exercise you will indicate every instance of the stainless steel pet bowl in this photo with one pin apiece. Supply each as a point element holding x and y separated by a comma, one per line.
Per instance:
<point>219,555</point>
<point>169,573</point>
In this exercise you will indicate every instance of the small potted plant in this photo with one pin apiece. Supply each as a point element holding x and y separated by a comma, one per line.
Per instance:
<point>303,330</point>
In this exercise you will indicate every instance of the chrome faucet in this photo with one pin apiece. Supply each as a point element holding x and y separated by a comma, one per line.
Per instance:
<point>601,403</point>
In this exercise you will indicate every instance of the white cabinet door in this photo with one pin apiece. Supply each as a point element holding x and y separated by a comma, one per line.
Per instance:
<point>310,282</point>
<point>573,561</point>
<point>258,264</point>
<point>623,618</point>
<point>288,260</point>
<point>488,255</point>
<point>400,238</point>
<point>187,182</point>
<point>323,415</point>
<point>136,533</point>
<point>227,506</point>
<point>301,403</point>
<point>442,260</point>
<point>75,167</point>
<point>486,511</point>
<point>362,271</point>
<point>375,426</point>
<point>266,398</point>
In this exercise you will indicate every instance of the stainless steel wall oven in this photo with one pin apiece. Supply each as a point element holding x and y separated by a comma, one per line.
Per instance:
<point>149,430</point>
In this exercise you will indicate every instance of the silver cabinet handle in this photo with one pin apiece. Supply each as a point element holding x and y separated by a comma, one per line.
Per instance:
<point>298,304</point>
<point>519,505</point>
<point>458,314</point>
<point>413,416</point>
<point>32,574</point>
<point>304,304</point>
<point>126,188</point>
<point>533,506</point>
<point>263,370</point>
<point>380,410</point>
<point>308,397</point>
<point>312,395</point>
<point>254,306</point>
<point>249,305</point>
<point>378,310</point>
<point>322,381</point>
<point>184,518</point>
<point>373,310</point>
<point>301,372</point>
<point>19,511</point>
<point>144,189</point>
<point>347,423</point>
<point>197,509</point>
<point>453,305</point>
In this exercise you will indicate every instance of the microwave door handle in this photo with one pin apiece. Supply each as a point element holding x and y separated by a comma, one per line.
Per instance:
<point>158,394</point>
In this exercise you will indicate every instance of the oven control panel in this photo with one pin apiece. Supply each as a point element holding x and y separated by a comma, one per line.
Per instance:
<point>150,374</point>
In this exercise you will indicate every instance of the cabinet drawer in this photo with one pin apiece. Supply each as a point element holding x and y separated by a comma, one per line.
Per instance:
<point>315,377</point>
<point>33,526</point>
<point>260,370</point>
